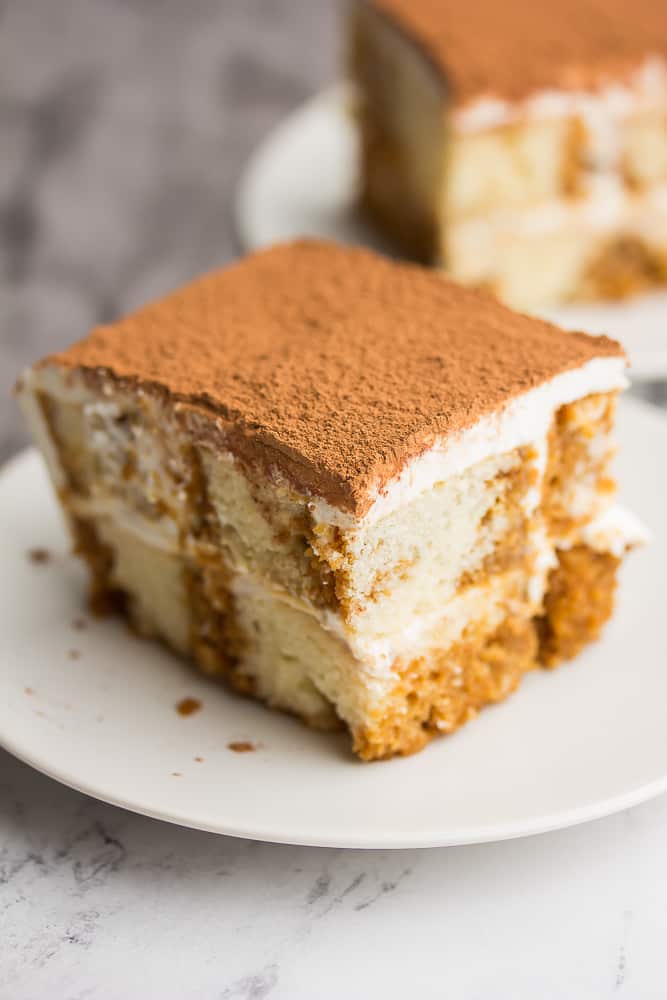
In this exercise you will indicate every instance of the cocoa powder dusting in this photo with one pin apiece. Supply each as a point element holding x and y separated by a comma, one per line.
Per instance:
<point>510,50</point>
<point>332,366</point>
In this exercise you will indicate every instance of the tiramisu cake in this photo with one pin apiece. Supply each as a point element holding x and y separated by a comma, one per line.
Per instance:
<point>348,487</point>
<point>520,144</point>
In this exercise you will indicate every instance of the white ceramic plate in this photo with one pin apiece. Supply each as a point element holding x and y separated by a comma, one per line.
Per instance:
<point>302,181</point>
<point>95,709</point>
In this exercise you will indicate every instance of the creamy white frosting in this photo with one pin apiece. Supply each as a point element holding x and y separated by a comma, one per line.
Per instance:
<point>615,530</point>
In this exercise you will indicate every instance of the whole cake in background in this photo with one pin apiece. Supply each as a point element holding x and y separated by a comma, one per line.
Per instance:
<point>349,487</point>
<point>521,144</point>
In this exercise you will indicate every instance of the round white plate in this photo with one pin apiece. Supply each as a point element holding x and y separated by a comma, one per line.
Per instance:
<point>302,181</point>
<point>95,709</point>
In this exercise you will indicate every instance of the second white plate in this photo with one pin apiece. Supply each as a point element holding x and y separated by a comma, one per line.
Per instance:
<point>94,707</point>
<point>302,181</point>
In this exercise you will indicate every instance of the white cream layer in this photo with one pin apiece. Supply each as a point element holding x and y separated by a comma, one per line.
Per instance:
<point>614,531</point>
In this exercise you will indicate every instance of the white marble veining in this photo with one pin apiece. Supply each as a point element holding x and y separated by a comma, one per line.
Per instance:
<point>124,125</point>
<point>99,903</point>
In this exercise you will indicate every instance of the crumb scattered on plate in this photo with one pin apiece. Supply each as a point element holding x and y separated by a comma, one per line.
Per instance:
<point>242,746</point>
<point>29,690</point>
<point>39,556</point>
<point>188,706</point>
<point>74,654</point>
<point>200,760</point>
<point>79,624</point>
<point>176,774</point>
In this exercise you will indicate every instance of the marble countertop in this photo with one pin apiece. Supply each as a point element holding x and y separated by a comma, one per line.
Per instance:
<point>99,903</point>
<point>124,126</point>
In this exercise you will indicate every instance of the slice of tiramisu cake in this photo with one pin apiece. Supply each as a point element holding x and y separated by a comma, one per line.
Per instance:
<point>346,486</point>
<point>521,144</point>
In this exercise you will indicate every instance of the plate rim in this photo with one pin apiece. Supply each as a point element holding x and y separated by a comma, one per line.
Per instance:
<point>551,823</point>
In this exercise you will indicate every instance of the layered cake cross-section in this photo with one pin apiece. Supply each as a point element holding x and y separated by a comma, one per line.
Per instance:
<point>348,487</point>
<point>521,145</point>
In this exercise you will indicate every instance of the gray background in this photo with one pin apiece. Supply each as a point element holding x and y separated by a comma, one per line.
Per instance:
<point>124,127</point>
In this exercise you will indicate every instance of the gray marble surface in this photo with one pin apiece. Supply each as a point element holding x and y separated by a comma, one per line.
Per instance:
<point>124,125</point>
<point>98,903</point>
